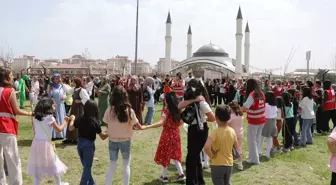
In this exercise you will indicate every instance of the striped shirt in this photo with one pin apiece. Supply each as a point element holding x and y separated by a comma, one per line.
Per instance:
<point>249,102</point>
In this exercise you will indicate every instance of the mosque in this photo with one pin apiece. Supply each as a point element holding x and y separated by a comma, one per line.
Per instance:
<point>211,61</point>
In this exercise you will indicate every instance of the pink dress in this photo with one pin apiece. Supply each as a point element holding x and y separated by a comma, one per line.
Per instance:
<point>236,123</point>
<point>332,161</point>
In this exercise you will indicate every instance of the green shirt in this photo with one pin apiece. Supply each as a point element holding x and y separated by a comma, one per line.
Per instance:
<point>289,112</point>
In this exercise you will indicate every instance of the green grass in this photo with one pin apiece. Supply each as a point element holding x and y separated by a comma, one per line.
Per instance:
<point>299,167</point>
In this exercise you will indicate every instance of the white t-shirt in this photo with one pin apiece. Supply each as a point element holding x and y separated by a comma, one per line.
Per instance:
<point>46,132</point>
<point>204,109</point>
<point>307,108</point>
<point>271,111</point>
<point>150,102</point>
<point>89,88</point>
<point>157,82</point>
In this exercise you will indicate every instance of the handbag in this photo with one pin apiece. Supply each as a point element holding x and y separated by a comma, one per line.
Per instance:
<point>189,114</point>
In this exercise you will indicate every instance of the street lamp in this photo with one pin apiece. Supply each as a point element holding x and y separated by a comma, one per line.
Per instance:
<point>136,39</point>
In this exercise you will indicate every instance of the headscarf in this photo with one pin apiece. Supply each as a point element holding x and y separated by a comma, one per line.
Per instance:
<point>134,83</point>
<point>149,81</point>
<point>25,77</point>
<point>53,84</point>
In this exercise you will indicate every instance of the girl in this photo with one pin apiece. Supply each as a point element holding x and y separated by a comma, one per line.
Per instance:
<point>288,128</point>
<point>169,147</point>
<point>280,115</point>
<point>332,150</point>
<point>34,92</point>
<point>269,129</point>
<point>68,98</point>
<point>198,130</point>
<point>236,123</point>
<point>307,115</point>
<point>43,161</point>
<point>219,147</point>
<point>9,128</point>
<point>120,119</point>
<point>255,107</point>
<point>294,98</point>
<point>148,87</point>
<point>88,126</point>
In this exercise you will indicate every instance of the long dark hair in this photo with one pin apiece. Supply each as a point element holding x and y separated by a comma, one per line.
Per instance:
<point>270,98</point>
<point>78,82</point>
<point>91,110</point>
<point>235,108</point>
<point>120,103</point>
<point>307,92</point>
<point>44,108</point>
<point>279,102</point>
<point>172,105</point>
<point>252,85</point>
<point>196,88</point>
<point>5,77</point>
<point>287,99</point>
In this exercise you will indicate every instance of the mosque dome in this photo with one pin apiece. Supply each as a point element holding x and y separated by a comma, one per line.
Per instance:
<point>210,50</point>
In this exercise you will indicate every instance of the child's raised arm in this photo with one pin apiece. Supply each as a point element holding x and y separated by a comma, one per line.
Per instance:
<point>59,128</point>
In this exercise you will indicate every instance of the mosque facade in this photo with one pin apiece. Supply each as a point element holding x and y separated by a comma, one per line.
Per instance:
<point>210,61</point>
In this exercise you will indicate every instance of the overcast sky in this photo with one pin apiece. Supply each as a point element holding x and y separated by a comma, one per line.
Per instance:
<point>61,28</point>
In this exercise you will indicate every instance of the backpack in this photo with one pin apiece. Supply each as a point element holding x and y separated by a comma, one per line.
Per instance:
<point>146,95</point>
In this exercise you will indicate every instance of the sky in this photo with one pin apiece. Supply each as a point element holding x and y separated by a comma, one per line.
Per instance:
<point>62,28</point>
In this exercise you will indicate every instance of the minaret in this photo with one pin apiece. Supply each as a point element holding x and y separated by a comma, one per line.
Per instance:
<point>167,65</point>
<point>247,49</point>
<point>189,43</point>
<point>239,39</point>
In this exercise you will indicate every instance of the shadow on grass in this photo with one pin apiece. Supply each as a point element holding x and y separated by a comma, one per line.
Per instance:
<point>24,142</point>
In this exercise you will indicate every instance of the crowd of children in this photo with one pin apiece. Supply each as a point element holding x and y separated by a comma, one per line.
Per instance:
<point>268,115</point>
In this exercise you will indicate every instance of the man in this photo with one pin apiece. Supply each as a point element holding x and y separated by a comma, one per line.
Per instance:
<point>178,86</point>
<point>22,90</point>
<point>190,76</point>
<point>329,106</point>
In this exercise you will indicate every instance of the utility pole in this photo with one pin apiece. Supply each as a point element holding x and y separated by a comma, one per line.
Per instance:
<point>308,53</point>
<point>136,39</point>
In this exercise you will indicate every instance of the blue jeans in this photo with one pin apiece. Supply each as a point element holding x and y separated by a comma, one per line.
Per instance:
<point>86,149</point>
<point>123,146</point>
<point>149,116</point>
<point>306,135</point>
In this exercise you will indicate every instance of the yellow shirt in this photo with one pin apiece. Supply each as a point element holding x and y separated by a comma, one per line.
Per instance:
<point>223,139</point>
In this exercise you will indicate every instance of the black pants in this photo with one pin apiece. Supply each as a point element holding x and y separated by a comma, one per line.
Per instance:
<point>319,121</point>
<point>333,178</point>
<point>288,130</point>
<point>196,141</point>
<point>327,116</point>
<point>157,96</point>
<point>214,99</point>
<point>221,97</point>
<point>67,108</point>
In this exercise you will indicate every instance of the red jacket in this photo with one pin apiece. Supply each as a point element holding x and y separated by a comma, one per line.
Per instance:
<point>330,103</point>
<point>278,90</point>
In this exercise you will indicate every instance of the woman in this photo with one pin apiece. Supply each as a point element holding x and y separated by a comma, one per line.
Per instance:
<point>255,107</point>
<point>68,98</point>
<point>135,96</point>
<point>34,92</point>
<point>197,131</point>
<point>9,128</point>
<point>57,93</point>
<point>103,97</point>
<point>148,89</point>
<point>79,96</point>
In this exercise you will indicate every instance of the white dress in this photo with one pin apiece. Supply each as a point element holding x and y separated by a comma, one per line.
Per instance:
<point>43,161</point>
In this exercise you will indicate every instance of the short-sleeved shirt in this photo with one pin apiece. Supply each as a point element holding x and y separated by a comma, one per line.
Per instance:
<point>116,130</point>
<point>332,161</point>
<point>204,109</point>
<point>43,129</point>
<point>88,128</point>
<point>289,111</point>
<point>307,108</point>
<point>249,102</point>
<point>223,139</point>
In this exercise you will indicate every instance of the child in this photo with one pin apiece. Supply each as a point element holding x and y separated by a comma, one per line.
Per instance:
<point>236,123</point>
<point>88,126</point>
<point>270,129</point>
<point>219,147</point>
<point>169,147</point>
<point>280,115</point>
<point>307,115</point>
<point>289,123</point>
<point>43,161</point>
<point>332,149</point>
<point>149,99</point>
<point>120,119</point>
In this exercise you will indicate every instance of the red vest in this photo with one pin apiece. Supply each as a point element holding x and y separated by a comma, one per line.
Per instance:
<point>330,103</point>
<point>8,123</point>
<point>256,113</point>
<point>278,90</point>
<point>178,87</point>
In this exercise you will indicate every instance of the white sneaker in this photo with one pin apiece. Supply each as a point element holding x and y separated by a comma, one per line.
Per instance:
<point>205,165</point>
<point>185,127</point>
<point>240,166</point>
<point>65,183</point>
<point>96,159</point>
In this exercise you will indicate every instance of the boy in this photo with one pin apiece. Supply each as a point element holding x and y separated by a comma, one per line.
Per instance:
<point>219,147</point>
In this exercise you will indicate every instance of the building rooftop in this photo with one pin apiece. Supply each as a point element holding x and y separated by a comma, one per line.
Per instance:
<point>210,50</point>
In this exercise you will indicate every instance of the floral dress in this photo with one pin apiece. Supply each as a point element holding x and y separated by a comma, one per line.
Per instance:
<point>169,147</point>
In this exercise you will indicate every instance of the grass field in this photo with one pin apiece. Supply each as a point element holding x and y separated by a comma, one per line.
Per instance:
<point>304,166</point>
